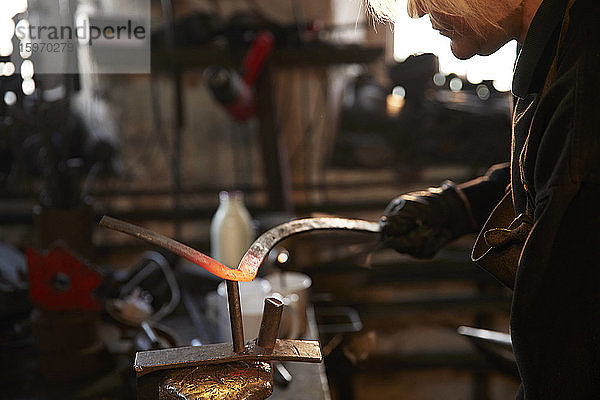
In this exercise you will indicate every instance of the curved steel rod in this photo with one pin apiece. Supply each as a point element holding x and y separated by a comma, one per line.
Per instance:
<point>261,246</point>
<point>248,267</point>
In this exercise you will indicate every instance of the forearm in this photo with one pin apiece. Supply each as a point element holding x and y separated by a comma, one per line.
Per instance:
<point>420,223</point>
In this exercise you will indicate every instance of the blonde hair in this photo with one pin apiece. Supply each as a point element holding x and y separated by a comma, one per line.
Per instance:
<point>474,13</point>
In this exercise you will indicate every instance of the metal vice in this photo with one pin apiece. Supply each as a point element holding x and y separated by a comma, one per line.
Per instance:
<point>237,370</point>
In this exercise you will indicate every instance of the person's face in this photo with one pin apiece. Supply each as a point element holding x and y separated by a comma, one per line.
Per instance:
<point>465,41</point>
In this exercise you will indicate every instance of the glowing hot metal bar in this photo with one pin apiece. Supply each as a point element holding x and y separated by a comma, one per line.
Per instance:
<point>248,267</point>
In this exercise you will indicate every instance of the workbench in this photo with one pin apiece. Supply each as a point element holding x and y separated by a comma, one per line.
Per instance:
<point>309,381</point>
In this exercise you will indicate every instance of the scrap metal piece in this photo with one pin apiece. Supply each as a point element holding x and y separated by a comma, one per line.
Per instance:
<point>191,356</point>
<point>239,380</point>
<point>248,266</point>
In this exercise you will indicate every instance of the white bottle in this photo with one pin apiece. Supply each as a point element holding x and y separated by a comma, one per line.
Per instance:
<point>231,231</point>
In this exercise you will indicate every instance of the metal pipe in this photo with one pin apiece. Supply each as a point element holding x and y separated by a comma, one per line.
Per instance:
<point>235,316</point>
<point>269,326</point>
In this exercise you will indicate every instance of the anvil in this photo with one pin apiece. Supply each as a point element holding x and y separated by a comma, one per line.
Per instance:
<point>219,371</point>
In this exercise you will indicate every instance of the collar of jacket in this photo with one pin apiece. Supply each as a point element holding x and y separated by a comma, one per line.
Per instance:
<point>539,48</point>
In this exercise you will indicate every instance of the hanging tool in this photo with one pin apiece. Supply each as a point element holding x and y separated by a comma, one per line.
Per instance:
<point>234,92</point>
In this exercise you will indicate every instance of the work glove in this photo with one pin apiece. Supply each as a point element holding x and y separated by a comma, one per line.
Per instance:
<point>421,223</point>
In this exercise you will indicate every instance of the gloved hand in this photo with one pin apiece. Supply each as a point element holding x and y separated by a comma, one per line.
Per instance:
<point>421,223</point>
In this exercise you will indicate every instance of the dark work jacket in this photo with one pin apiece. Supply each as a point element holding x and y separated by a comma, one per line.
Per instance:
<point>555,175</point>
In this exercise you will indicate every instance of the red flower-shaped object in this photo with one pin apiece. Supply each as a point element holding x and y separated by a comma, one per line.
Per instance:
<point>59,281</point>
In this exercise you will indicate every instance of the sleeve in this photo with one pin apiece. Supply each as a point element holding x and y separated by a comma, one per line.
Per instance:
<point>485,192</point>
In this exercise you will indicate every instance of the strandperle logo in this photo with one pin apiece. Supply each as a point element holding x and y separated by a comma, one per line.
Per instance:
<point>97,43</point>
<point>84,32</point>
<point>102,37</point>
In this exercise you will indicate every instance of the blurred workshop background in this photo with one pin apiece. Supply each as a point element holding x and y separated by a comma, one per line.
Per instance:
<point>295,108</point>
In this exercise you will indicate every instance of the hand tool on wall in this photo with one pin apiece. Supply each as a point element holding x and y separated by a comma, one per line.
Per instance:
<point>234,92</point>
